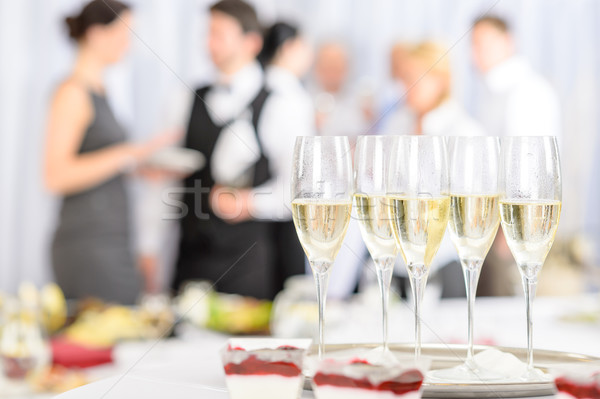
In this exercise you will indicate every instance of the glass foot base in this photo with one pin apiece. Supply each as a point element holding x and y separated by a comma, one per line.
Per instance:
<point>491,365</point>
<point>379,355</point>
<point>535,375</point>
<point>465,373</point>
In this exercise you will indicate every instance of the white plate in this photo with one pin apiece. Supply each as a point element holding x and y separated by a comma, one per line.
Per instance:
<point>177,159</point>
<point>446,356</point>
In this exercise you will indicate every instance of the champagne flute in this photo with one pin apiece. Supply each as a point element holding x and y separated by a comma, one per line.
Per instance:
<point>419,208</point>
<point>321,205</point>
<point>474,213</point>
<point>530,203</point>
<point>370,162</point>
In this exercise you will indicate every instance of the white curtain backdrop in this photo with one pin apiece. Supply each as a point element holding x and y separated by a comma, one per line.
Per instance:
<point>561,38</point>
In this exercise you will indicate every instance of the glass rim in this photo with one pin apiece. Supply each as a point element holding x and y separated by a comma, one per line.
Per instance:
<point>539,137</point>
<point>416,136</point>
<point>475,138</point>
<point>373,136</point>
<point>321,137</point>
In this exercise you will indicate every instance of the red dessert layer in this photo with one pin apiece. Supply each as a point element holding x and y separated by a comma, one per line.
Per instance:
<point>407,382</point>
<point>254,366</point>
<point>580,391</point>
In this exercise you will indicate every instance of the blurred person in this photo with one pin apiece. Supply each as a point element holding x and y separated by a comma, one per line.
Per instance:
<point>398,57</point>
<point>517,101</point>
<point>392,94</point>
<point>87,157</point>
<point>246,130</point>
<point>340,109</point>
<point>287,52</point>
<point>286,57</point>
<point>431,110</point>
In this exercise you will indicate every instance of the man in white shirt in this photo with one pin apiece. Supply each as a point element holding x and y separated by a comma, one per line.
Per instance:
<point>340,109</point>
<point>518,101</point>
<point>228,235</point>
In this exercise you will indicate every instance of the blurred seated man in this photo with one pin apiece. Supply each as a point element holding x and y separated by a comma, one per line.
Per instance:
<point>341,110</point>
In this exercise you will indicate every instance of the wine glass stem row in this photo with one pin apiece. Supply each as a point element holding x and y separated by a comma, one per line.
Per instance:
<point>322,281</point>
<point>385,269</point>
<point>418,287</point>
<point>471,271</point>
<point>529,286</point>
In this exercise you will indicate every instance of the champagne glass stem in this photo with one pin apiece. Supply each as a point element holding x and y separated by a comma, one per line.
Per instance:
<point>385,269</point>
<point>321,275</point>
<point>418,279</point>
<point>529,286</point>
<point>471,271</point>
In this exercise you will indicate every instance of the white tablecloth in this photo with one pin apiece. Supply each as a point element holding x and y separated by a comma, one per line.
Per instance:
<point>190,367</point>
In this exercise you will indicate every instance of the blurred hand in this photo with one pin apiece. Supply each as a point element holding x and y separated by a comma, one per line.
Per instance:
<point>157,175</point>
<point>368,111</point>
<point>320,118</point>
<point>231,205</point>
<point>500,246</point>
<point>148,265</point>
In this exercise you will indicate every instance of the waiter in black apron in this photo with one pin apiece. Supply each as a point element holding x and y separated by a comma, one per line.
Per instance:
<point>221,239</point>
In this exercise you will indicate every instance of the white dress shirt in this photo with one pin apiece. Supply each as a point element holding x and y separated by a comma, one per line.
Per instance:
<point>448,119</point>
<point>236,149</point>
<point>287,113</point>
<point>342,113</point>
<point>343,116</point>
<point>519,102</point>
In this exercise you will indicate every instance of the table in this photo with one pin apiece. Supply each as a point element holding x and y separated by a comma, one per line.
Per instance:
<point>190,366</point>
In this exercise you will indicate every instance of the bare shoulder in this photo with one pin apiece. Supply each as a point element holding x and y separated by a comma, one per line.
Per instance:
<point>70,90</point>
<point>72,95</point>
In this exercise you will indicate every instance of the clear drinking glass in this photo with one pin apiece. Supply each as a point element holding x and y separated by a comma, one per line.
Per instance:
<point>419,208</point>
<point>24,348</point>
<point>474,213</point>
<point>321,204</point>
<point>371,159</point>
<point>530,203</point>
<point>473,223</point>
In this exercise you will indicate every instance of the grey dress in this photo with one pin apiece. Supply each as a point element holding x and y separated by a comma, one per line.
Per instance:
<point>92,254</point>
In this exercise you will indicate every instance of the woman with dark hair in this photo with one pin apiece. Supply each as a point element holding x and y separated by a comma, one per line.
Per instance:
<point>289,112</point>
<point>285,48</point>
<point>86,158</point>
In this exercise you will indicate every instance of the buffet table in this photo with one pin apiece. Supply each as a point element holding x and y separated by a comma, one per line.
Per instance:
<point>190,366</point>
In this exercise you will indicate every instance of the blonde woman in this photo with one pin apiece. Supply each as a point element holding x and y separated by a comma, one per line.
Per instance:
<point>429,107</point>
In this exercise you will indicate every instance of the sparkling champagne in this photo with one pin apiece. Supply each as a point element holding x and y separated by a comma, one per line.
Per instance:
<point>530,228</point>
<point>376,225</point>
<point>473,224</point>
<point>419,225</point>
<point>321,227</point>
